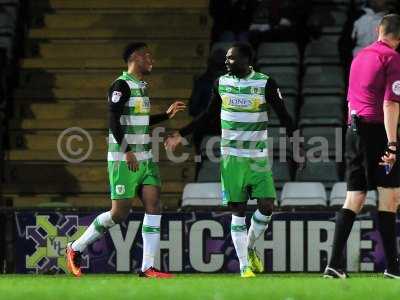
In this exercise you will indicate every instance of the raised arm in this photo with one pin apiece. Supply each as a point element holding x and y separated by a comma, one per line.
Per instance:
<point>169,114</point>
<point>202,120</point>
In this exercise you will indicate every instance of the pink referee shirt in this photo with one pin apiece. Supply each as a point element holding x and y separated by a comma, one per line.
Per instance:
<point>374,77</point>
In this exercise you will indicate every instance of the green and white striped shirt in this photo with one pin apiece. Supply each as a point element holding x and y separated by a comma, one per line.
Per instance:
<point>135,121</point>
<point>244,115</point>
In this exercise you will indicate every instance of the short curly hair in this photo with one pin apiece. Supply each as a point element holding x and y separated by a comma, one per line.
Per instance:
<point>131,48</point>
<point>245,50</point>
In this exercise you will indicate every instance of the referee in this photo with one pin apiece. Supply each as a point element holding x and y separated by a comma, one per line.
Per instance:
<point>372,144</point>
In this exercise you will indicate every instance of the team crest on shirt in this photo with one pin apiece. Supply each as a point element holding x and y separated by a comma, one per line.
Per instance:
<point>255,90</point>
<point>396,87</point>
<point>120,189</point>
<point>116,96</point>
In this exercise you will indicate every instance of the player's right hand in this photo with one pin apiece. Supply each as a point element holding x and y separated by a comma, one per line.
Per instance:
<point>172,141</point>
<point>388,160</point>
<point>131,161</point>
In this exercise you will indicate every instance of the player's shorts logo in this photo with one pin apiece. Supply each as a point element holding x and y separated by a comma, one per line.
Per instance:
<point>116,96</point>
<point>396,87</point>
<point>120,189</point>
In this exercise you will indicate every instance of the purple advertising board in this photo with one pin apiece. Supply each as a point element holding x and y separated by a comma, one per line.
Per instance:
<point>195,242</point>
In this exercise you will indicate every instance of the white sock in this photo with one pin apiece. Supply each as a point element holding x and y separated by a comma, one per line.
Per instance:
<point>151,239</point>
<point>239,238</point>
<point>259,223</point>
<point>94,231</point>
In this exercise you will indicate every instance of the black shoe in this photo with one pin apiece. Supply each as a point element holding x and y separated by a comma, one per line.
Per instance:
<point>391,275</point>
<point>335,273</point>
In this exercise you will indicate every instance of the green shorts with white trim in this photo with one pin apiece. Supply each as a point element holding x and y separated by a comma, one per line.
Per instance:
<point>243,178</point>
<point>124,184</point>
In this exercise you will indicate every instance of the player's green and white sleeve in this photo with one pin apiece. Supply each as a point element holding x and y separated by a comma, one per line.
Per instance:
<point>118,94</point>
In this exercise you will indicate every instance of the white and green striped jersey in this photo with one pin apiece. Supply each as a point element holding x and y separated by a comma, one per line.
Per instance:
<point>242,105</point>
<point>134,119</point>
<point>243,115</point>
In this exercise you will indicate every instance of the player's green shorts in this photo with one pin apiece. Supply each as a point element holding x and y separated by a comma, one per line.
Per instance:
<point>124,184</point>
<point>243,178</point>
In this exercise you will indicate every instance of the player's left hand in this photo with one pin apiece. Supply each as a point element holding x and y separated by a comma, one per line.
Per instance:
<point>174,108</point>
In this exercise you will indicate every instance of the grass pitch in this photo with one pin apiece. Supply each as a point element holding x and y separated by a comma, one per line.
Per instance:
<point>197,286</point>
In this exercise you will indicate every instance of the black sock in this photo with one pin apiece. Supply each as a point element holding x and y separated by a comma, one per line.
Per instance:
<point>387,228</point>
<point>344,222</point>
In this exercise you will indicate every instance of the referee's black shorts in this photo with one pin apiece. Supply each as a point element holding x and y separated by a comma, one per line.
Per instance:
<point>363,153</point>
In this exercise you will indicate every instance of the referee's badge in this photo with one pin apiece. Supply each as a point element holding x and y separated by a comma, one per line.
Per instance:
<point>396,87</point>
<point>116,96</point>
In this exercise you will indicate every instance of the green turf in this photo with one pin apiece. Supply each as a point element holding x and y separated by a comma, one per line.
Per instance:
<point>230,287</point>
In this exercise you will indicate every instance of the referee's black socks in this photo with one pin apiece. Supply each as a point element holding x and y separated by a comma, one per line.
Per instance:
<point>344,222</point>
<point>387,228</point>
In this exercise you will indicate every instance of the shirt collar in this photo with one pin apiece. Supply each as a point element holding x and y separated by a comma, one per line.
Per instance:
<point>252,72</point>
<point>130,76</point>
<point>383,43</point>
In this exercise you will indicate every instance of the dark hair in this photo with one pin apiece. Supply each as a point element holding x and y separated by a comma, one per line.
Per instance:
<point>245,50</point>
<point>391,25</point>
<point>132,47</point>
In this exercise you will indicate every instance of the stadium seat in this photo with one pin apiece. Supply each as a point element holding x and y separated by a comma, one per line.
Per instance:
<point>327,80</point>
<point>202,194</point>
<point>323,171</point>
<point>321,113</point>
<point>270,54</point>
<point>205,195</point>
<point>9,2</point>
<point>332,39</point>
<point>338,196</point>
<point>285,76</point>
<point>327,132</point>
<point>275,134</point>
<point>321,53</point>
<point>209,170</point>
<point>297,194</point>
<point>325,99</point>
<point>8,17</point>
<point>280,172</point>
<point>331,2</point>
<point>6,43</point>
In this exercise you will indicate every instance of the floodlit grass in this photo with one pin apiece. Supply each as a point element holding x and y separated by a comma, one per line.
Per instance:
<point>198,286</point>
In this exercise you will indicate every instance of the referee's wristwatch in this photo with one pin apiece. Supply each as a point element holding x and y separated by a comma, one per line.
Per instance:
<point>391,150</point>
